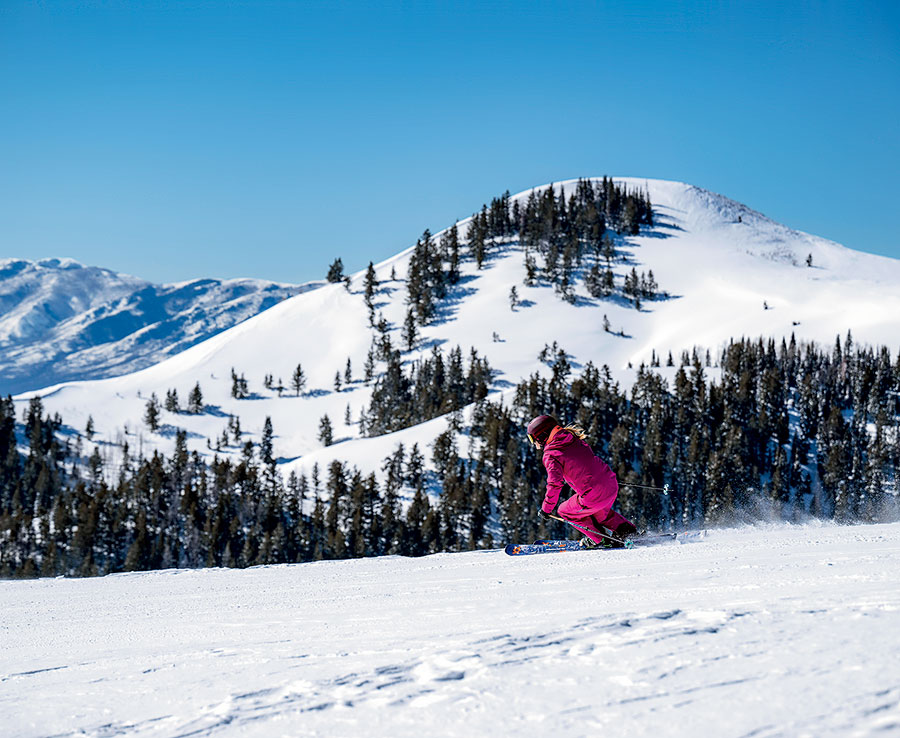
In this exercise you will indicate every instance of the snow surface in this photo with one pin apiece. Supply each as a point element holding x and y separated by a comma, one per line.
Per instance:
<point>769,631</point>
<point>719,260</point>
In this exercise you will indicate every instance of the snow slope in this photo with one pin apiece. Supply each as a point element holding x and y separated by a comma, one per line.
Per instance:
<point>61,320</point>
<point>775,631</point>
<point>720,262</point>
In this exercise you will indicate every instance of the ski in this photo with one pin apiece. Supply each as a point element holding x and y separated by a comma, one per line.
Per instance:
<point>562,543</point>
<point>555,546</point>
<point>646,539</point>
<point>689,536</point>
<point>542,546</point>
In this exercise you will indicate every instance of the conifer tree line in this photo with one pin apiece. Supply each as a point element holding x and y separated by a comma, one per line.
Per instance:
<point>787,432</point>
<point>560,231</point>
<point>60,516</point>
<point>783,431</point>
<point>556,231</point>
<point>431,387</point>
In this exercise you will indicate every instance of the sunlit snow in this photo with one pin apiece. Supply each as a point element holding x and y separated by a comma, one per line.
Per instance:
<point>769,631</point>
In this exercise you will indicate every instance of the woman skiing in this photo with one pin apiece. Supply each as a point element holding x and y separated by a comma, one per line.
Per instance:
<point>568,458</point>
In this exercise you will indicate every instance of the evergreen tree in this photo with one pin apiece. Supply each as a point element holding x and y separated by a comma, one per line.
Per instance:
<point>450,253</point>
<point>325,431</point>
<point>239,388</point>
<point>298,380</point>
<point>369,368</point>
<point>608,250</point>
<point>370,287</point>
<point>172,404</point>
<point>531,270</point>
<point>410,330</point>
<point>267,457</point>
<point>195,400</point>
<point>594,282</point>
<point>151,413</point>
<point>335,271</point>
<point>415,468</point>
<point>475,236</point>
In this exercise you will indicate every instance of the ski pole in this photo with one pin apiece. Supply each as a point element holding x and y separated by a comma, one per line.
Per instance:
<point>586,528</point>
<point>664,490</point>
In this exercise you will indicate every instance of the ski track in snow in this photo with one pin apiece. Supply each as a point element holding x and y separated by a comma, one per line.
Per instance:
<point>781,631</point>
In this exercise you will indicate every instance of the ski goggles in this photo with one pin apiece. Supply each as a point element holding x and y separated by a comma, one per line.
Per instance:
<point>531,439</point>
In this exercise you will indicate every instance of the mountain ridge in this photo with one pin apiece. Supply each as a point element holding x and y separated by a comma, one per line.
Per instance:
<point>63,321</point>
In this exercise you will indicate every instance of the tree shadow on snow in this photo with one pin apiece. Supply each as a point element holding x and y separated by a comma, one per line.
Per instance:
<point>215,411</point>
<point>447,308</point>
<point>659,228</point>
<point>430,344</point>
<point>170,431</point>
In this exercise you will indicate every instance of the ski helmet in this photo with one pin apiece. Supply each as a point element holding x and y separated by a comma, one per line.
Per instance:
<point>539,429</point>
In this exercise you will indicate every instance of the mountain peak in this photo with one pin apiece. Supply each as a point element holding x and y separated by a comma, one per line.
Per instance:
<point>723,271</point>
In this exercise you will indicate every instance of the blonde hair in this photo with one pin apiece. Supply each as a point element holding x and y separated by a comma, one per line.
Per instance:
<point>577,430</point>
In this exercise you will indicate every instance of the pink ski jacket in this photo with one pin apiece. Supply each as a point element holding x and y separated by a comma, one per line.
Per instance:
<point>569,459</point>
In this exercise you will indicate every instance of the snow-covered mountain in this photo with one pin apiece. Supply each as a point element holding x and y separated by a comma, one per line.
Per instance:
<point>63,321</point>
<point>728,272</point>
<point>768,631</point>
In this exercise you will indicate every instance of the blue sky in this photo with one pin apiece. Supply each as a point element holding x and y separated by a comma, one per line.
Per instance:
<point>264,139</point>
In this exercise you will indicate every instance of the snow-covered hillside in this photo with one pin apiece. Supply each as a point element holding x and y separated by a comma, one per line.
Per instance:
<point>62,321</point>
<point>728,271</point>
<point>771,631</point>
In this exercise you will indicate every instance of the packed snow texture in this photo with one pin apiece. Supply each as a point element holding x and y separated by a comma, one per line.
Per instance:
<point>770,631</point>
<point>729,272</point>
<point>63,321</point>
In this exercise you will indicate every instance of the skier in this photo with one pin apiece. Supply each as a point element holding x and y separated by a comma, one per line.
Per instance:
<point>568,458</point>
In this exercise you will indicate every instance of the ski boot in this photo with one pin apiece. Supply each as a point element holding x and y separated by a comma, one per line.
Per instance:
<point>627,533</point>
<point>588,545</point>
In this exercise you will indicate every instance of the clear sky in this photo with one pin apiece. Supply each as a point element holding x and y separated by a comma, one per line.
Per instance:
<point>174,140</point>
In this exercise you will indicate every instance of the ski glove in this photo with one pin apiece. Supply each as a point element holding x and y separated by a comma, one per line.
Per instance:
<point>544,516</point>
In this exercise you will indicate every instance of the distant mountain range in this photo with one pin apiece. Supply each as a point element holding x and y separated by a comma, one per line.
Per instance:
<point>61,320</point>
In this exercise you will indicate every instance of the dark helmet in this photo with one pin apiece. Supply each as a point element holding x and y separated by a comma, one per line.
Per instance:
<point>539,429</point>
